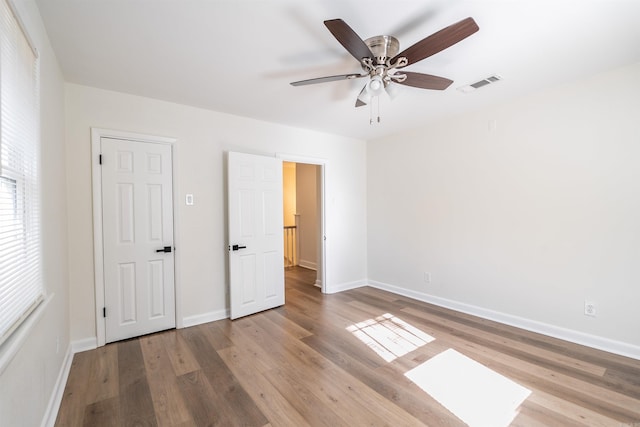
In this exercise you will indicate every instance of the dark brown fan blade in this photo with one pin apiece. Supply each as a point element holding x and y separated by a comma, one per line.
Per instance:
<point>349,39</point>
<point>425,81</point>
<point>439,41</point>
<point>328,79</point>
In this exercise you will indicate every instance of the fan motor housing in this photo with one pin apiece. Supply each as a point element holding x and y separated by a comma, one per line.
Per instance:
<point>383,48</point>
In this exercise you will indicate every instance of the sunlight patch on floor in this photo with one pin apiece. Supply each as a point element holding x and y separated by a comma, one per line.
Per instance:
<point>389,336</point>
<point>474,393</point>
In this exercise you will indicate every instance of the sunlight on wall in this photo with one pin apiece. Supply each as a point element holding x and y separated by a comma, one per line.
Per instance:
<point>289,202</point>
<point>389,336</point>
<point>474,393</point>
<point>289,192</point>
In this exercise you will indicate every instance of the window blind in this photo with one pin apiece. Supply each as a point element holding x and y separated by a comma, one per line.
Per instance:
<point>21,285</point>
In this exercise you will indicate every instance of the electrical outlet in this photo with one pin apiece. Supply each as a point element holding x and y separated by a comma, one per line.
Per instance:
<point>427,277</point>
<point>590,308</point>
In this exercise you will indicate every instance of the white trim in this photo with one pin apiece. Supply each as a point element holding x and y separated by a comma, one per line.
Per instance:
<point>11,346</point>
<point>318,284</point>
<point>294,158</point>
<point>577,337</point>
<point>85,344</point>
<point>309,265</point>
<point>177,242</point>
<point>98,256</point>
<point>345,286</point>
<point>199,319</point>
<point>55,399</point>
<point>16,14</point>
<point>96,178</point>
<point>131,136</point>
<point>323,163</point>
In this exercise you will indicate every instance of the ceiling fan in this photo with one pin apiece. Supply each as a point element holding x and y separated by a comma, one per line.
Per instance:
<point>382,63</point>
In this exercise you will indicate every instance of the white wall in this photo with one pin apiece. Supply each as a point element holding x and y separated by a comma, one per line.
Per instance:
<point>527,220</point>
<point>27,383</point>
<point>307,207</point>
<point>204,136</point>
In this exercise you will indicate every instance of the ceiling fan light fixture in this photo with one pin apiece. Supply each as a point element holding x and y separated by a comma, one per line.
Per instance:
<point>375,86</point>
<point>392,90</point>
<point>364,96</point>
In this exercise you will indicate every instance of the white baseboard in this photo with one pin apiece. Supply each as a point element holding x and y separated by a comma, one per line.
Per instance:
<point>92,343</point>
<point>199,319</point>
<point>84,345</point>
<point>308,264</point>
<point>594,341</point>
<point>51,413</point>
<point>332,289</point>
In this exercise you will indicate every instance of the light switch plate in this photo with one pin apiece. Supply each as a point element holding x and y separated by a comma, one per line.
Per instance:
<point>189,199</point>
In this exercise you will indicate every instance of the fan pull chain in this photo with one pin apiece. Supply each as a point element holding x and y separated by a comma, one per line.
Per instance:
<point>377,100</point>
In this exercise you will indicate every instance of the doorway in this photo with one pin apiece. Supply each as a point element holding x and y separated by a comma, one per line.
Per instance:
<point>255,224</point>
<point>302,214</point>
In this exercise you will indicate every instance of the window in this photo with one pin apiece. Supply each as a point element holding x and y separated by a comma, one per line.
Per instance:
<point>21,285</point>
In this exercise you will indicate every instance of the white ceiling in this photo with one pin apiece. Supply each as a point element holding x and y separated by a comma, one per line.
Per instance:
<point>238,56</point>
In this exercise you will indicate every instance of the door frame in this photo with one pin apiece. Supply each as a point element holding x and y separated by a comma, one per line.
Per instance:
<point>98,249</point>
<point>322,163</point>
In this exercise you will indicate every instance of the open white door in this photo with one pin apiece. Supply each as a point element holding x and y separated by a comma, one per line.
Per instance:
<point>256,253</point>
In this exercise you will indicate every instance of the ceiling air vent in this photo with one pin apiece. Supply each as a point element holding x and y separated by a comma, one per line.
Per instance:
<point>484,82</point>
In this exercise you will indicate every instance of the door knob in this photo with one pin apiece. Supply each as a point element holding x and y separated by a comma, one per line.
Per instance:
<point>165,249</point>
<point>236,247</point>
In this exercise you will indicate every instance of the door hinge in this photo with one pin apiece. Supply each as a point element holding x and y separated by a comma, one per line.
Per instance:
<point>100,158</point>
<point>104,311</point>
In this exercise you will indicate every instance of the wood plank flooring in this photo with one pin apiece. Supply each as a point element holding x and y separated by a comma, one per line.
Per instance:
<point>341,360</point>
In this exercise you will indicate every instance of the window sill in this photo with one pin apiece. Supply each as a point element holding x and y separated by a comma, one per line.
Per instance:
<point>10,347</point>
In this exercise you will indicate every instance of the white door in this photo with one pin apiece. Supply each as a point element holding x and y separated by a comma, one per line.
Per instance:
<point>256,253</point>
<point>137,216</point>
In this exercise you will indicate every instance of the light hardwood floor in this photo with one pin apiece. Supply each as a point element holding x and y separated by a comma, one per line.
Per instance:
<point>339,360</point>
